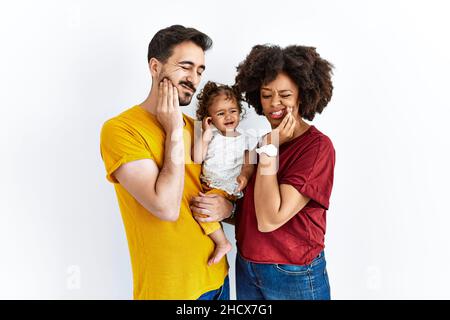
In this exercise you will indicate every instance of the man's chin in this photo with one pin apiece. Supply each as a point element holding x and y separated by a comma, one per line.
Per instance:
<point>184,101</point>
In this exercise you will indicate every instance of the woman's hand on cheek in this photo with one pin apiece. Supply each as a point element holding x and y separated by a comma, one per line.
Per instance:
<point>285,130</point>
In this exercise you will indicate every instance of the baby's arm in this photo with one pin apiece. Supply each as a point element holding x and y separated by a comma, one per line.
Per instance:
<point>247,169</point>
<point>202,141</point>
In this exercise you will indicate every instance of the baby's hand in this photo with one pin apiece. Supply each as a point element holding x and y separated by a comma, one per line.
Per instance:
<point>206,123</point>
<point>242,182</point>
<point>207,130</point>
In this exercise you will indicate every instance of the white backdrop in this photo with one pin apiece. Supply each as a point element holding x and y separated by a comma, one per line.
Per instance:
<point>67,66</point>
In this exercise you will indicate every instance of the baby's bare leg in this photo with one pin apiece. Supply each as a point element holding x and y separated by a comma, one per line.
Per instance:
<point>223,246</point>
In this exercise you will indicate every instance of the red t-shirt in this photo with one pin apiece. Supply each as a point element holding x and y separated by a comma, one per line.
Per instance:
<point>306,163</point>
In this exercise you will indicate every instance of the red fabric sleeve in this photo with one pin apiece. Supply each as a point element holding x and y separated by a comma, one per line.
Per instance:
<point>312,172</point>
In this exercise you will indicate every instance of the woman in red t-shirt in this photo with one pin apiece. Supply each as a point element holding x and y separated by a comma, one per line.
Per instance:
<point>280,222</point>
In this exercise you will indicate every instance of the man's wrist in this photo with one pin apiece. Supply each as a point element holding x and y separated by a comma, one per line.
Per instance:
<point>175,136</point>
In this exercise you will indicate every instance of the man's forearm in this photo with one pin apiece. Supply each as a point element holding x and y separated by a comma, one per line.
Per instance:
<point>170,182</point>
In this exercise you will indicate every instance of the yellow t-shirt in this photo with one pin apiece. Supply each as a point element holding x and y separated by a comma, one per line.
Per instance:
<point>169,259</point>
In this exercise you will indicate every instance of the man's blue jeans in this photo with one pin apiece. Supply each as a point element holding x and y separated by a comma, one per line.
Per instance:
<point>257,281</point>
<point>223,293</point>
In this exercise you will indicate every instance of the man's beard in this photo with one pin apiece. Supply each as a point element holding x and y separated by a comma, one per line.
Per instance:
<point>187,97</point>
<point>184,99</point>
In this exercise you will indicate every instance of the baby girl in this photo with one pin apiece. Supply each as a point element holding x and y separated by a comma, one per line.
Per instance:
<point>224,152</point>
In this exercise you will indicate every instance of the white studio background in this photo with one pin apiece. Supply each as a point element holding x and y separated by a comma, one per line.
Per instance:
<point>67,66</point>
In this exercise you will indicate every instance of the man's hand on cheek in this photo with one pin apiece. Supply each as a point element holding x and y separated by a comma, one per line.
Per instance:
<point>168,111</point>
<point>210,207</point>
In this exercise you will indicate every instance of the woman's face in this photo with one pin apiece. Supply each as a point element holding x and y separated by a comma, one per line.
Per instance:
<point>277,96</point>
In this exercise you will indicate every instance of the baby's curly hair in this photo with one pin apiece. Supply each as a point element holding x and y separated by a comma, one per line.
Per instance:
<point>303,65</point>
<point>210,91</point>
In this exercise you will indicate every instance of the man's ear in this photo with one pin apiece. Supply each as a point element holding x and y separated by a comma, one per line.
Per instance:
<point>155,67</point>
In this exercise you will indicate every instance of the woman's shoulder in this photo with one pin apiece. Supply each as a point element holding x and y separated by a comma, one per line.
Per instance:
<point>314,147</point>
<point>320,145</point>
<point>318,137</point>
<point>313,141</point>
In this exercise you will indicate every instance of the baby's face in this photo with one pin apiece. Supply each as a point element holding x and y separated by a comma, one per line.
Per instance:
<point>224,113</point>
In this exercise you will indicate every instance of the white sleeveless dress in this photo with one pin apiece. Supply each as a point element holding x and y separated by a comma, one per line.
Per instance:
<point>224,160</point>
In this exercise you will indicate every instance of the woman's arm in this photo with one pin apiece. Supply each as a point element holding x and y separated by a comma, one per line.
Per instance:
<point>275,204</point>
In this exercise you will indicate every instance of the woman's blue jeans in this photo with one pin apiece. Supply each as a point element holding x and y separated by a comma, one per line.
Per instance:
<point>257,281</point>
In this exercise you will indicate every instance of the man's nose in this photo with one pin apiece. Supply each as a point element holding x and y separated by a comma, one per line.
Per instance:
<point>194,78</point>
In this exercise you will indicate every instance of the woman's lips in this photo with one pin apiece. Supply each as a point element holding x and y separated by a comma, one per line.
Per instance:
<point>277,114</point>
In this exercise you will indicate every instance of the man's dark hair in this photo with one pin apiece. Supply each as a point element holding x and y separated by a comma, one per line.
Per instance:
<point>303,65</point>
<point>162,44</point>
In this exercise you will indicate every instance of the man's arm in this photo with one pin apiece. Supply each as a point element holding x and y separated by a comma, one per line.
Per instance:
<point>157,191</point>
<point>215,207</point>
<point>160,192</point>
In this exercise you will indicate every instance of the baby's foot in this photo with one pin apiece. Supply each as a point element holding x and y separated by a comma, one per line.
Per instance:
<point>219,252</point>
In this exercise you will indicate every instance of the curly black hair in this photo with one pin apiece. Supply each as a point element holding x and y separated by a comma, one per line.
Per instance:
<point>210,91</point>
<point>303,65</point>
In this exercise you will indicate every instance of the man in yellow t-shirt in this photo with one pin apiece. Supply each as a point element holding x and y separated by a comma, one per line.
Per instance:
<point>147,154</point>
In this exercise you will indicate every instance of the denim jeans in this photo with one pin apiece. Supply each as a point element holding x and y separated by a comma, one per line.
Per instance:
<point>223,293</point>
<point>257,281</point>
